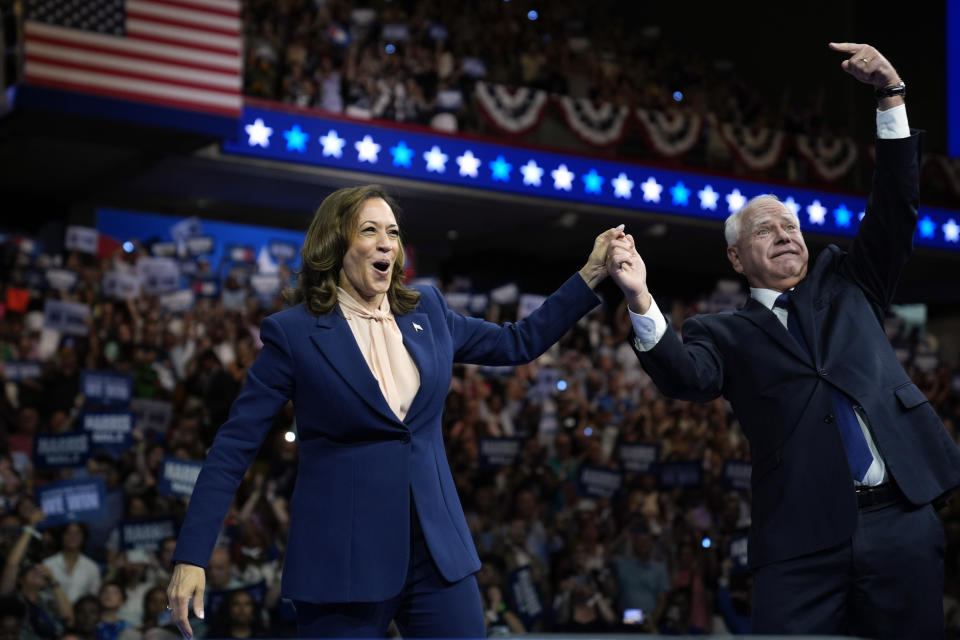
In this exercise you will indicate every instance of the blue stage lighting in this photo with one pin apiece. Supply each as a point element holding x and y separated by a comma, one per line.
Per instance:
<point>677,96</point>
<point>706,542</point>
<point>390,49</point>
<point>128,246</point>
<point>561,385</point>
<point>532,15</point>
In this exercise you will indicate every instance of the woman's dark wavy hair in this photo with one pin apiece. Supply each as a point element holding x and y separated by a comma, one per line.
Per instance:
<point>327,241</point>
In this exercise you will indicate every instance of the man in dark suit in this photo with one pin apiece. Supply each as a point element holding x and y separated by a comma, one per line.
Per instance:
<point>848,455</point>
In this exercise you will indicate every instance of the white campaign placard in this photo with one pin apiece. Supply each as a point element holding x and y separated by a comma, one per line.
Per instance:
<point>85,239</point>
<point>67,317</point>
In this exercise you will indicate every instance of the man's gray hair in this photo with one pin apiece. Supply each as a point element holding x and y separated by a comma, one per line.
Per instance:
<point>731,227</point>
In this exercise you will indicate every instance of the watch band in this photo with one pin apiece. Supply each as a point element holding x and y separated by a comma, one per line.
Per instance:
<point>899,89</point>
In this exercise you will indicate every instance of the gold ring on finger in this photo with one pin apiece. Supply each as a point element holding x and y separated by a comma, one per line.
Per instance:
<point>865,60</point>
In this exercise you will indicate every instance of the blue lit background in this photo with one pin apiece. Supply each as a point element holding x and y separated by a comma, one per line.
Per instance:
<point>404,153</point>
<point>953,77</point>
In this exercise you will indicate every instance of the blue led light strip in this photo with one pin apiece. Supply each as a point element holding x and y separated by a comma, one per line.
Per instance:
<point>356,146</point>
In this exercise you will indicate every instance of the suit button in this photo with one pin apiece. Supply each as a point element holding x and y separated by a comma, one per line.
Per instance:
<point>405,439</point>
<point>828,418</point>
<point>822,373</point>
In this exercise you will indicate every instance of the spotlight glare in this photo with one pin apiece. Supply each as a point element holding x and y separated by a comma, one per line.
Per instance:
<point>128,246</point>
<point>706,542</point>
<point>588,431</point>
<point>290,436</point>
<point>677,96</point>
<point>532,15</point>
<point>561,385</point>
<point>390,49</point>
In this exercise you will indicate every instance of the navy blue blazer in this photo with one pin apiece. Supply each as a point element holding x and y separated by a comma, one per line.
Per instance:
<point>349,537</point>
<point>803,495</point>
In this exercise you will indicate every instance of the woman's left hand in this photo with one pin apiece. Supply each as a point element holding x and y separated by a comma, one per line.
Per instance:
<point>596,268</point>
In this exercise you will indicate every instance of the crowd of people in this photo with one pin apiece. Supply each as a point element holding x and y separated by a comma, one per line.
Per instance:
<point>559,551</point>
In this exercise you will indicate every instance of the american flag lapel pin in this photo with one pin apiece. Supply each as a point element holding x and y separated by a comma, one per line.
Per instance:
<point>417,327</point>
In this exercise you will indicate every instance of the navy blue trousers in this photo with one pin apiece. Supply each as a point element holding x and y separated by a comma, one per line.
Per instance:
<point>428,606</point>
<point>886,582</point>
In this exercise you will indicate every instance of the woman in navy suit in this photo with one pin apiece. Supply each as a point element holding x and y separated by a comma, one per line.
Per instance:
<point>377,532</point>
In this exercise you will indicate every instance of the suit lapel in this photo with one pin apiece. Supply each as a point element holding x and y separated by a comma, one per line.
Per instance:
<point>336,343</point>
<point>803,307</point>
<point>418,339</point>
<point>764,318</point>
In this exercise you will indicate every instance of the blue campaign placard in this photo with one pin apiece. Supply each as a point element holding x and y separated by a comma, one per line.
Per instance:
<point>82,500</point>
<point>283,251</point>
<point>111,431</point>
<point>177,477</point>
<point>106,388</point>
<point>525,595</point>
<point>499,452</point>
<point>680,474</point>
<point>59,450</point>
<point>736,474</point>
<point>21,370</point>
<point>146,534</point>
<point>598,482</point>
<point>637,457</point>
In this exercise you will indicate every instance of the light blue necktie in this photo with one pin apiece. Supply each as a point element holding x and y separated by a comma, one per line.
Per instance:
<point>855,445</point>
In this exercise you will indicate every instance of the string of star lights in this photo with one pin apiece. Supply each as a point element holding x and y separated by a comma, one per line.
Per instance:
<point>405,153</point>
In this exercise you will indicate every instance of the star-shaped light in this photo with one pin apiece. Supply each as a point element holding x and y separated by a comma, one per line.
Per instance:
<point>436,159</point>
<point>333,144</point>
<point>296,139</point>
<point>708,198</point>
<point>402,155</point>
<point>735,201</point>
<point>622,186</point>
<point>951,231</point>
<point>469,164</point>
<point>500,169</point>
<point>367,150</point>
<point>562,178</point>
<point>259,134</point>
<point>592,182</point>
<point>927,227</point>
<point>792,206</point>
<point>817,212</point>
<point>651,189</point>
<point>680,193</point>
<point>842,216</point>
<point>531,173</point>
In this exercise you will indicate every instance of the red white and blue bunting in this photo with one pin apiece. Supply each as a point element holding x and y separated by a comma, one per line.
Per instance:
<point>757,150</point>
<point>829,158</point>
<point>512,111</point>
<point>670,133</point>
<point>601,125</point>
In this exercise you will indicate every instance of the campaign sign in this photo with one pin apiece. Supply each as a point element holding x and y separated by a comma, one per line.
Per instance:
<point>120,285</point>
<point>639,457</point>
<point>207,288</point>
<point>528,304</point>
<point>82,500</point>
<point>61,279</point>
<point>200,245</point>
<point>67,317</point>
<point>177,301</point>
<point>146,534</point>
<point>458,301</point>
<point>499,452</point>
<point>738,551</point>
<point>20,370</point>
<point>282,251</point>
<point>58,450</point>
<point>188,268</point>
<point>506,294</point>
<point>598,482</point>
<point>680,474</point>
<point>525,595</point>
<point>265,284</point>
<point>106,388</point>
<point>163,249</point>
<point>151,415</point>
<point>736,474</point>
<point>111,431</point>
<point>241,253</point>
<point>83,239</point>
<point>178,477</point>
<point>159,275</point>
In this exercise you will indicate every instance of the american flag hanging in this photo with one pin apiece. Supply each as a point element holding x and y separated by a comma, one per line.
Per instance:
<point>177,53</point>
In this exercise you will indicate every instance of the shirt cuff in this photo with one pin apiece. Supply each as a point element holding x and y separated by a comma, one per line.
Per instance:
<point>892,123</point>
<point>648,327</point>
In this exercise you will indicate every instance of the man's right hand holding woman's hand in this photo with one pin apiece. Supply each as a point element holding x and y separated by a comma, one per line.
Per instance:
<point>627,269</point>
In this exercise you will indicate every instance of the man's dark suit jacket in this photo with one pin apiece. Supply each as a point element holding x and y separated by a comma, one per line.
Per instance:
<point>803,495</point>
